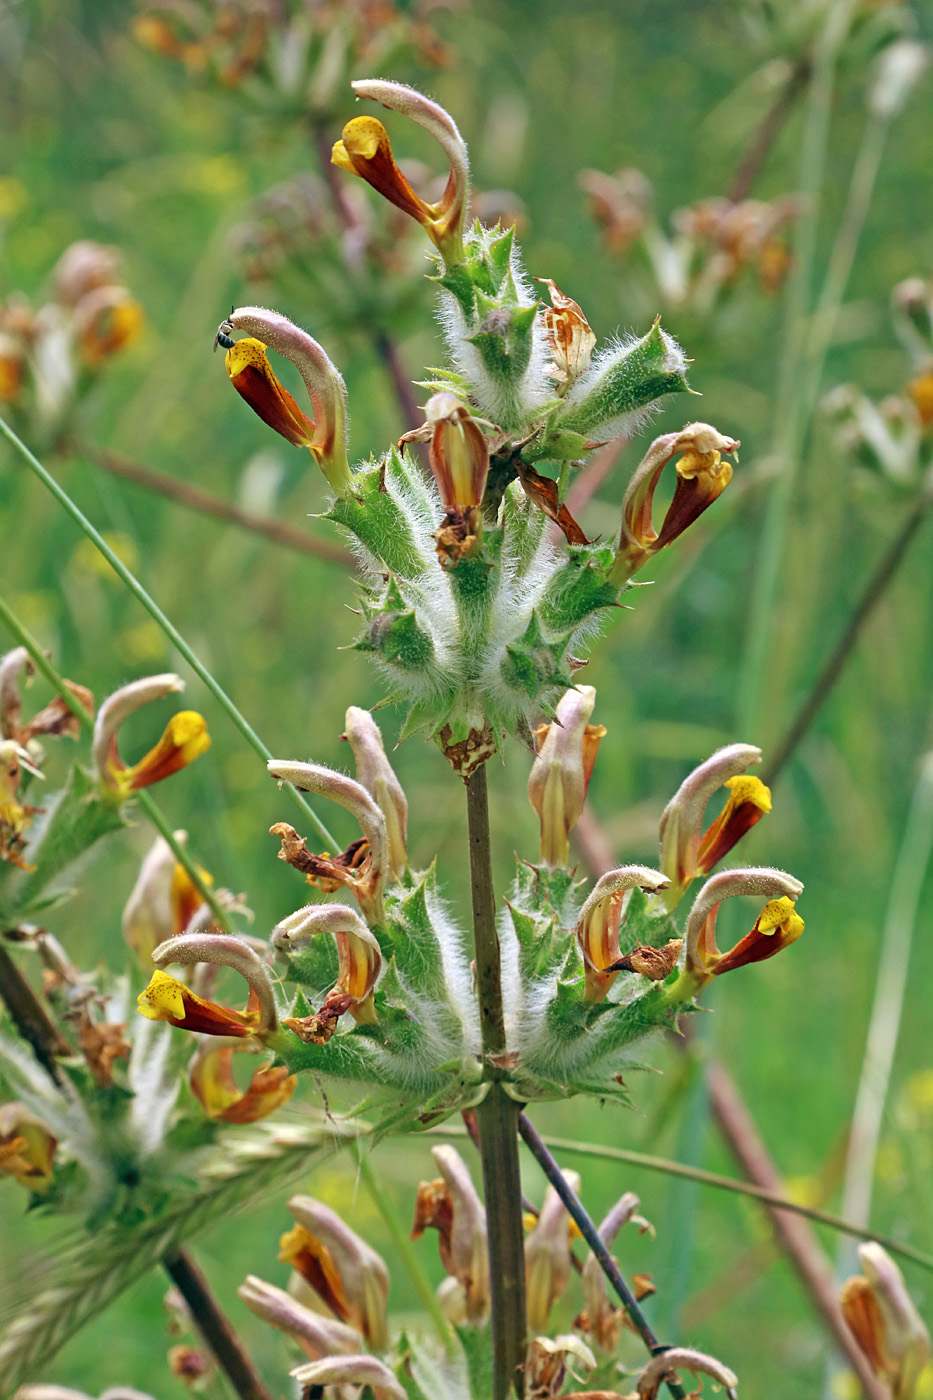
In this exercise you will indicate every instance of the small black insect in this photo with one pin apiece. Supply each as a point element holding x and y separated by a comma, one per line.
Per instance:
<point>223,337</point>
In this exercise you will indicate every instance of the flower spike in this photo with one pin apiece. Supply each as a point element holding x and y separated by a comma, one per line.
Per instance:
<point>702,475</point>
<point>688,851</point>
<point>776,927</point>
<point>599,921</point>
<point>326,434</point>
<point>561,773</point>
<point>184,739</point>
<point>359,963</point>
<point>365,150</point>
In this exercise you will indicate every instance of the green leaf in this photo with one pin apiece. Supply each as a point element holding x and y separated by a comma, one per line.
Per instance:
<point>625,381</point>
<point>372,512</point>
<point>78,818</point>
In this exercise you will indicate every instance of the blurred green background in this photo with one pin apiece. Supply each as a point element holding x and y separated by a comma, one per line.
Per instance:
<point>104,139</point>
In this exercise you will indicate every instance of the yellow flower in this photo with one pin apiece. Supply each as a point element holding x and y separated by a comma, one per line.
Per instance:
<point>251,374</point>
<point>214,1086</point>
<point>561,774</point>
<point>26,1147</point>
<point>166,999</point>
<point>365,150</point>
<point>185,737</point>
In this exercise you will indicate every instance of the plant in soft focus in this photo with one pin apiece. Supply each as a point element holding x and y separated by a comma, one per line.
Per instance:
<point>479,596</point>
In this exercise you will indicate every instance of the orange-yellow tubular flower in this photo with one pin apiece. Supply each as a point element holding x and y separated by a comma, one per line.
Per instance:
<point>27,1147</point>
<point>359,961</point>
<point>346,1274</point>
<point>365,150</point>
<point>547,1256</point>
<point>106,320</point>
<point>561,773</point>
<point>325,435</point>
<point>776,927</point>
<point>702,475</point>
<point>317,1336</point>
<point>459,454</point>
<point>163,901</point>
<point>376,774</point>
<point>184,739</point>
<point>600,919</point>
<point>688,851</point>
<point>366,879</point>
<point>452,1207</point>
<point>211,1079</point>
<point>165,999</point>
<point>885,1323</point>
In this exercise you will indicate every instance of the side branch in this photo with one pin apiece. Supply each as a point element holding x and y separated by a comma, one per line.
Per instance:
<point>215,1327</point>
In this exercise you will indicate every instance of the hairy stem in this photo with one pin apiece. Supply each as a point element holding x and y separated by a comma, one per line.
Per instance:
<point>215,1327</point>
<point>30,1017</point>
<point>156,613</point>
<point>496,1116</point>
<point>575,1209</point>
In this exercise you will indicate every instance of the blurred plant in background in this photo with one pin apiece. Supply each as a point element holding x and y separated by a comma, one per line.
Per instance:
<point>481,587</point>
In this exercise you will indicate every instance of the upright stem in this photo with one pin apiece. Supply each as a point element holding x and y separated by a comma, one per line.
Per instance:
<point>30,1017</point>
<point>214,1327</point>
<point>581,1218</point>
<point>497,1116</point>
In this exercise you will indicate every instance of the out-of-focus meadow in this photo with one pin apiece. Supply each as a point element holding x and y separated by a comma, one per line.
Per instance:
<point>213,191</point>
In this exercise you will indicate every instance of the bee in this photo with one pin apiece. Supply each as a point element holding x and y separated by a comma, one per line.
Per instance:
<point>223,336</point>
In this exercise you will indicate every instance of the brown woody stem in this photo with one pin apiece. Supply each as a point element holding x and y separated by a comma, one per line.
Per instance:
<point>496,1116</point>
<point>759,147</point>
<point>30,1017</point>
<point>578,1214</point>
<point>214,1327</point>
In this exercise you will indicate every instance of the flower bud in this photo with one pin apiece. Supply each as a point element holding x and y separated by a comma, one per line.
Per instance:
<point>27,1147</point>
<point>316,1335</point>
<point>452,1207</point>
<point>365,1371</point>
<point>776,927</point>
<point>377,776</point>
<point>365,150</point>
<point>359,961</point>
<point>702,475</point>
<point>547,1256</point>
<point>604,1321</point>
<point>184,739</point>
<point>885,1323</point>
<point>459,454</point>
<point>348,1276</point>
<point>569,335</point>
<point>668,1363</point>
<point>561,773</point>
<point>600,920</point>
<point>163,901</point>
<point>326,434</point>
<point>688,851</point>
<point>212,1082</point>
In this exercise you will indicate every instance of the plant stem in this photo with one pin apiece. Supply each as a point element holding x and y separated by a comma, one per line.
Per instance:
<point>146,801</point>
<point>764,137</point>
<point>214,1327</point>
<point>871,595</point>
<point>185,493</point>
<point>574,1207</point>
<point>497,1115</point>
<point>421,1284</point>
<point>155,612</point>
<point>30,1017</point>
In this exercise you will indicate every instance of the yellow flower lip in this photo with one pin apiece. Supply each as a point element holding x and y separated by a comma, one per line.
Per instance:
<point>167,999</point>
<point>251,374</point>
<point>214,1085</point>
<point>184,739</point>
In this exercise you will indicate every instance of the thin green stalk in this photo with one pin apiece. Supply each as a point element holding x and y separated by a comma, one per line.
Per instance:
<point>497,1116</point>
<point>146,801</point>
<point>420,1282</point>
<point>884,1025</point>
<point>155,612</point>
<point>789,418</point>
